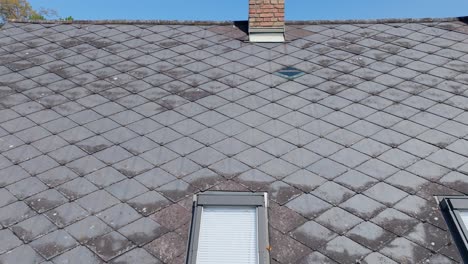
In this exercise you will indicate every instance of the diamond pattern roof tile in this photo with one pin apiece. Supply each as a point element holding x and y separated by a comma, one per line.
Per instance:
<point>351,128</point>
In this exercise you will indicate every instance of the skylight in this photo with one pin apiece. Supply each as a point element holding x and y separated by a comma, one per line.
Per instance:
<point>455,211</point>
<point>289,73</point>
<point>229,228</point>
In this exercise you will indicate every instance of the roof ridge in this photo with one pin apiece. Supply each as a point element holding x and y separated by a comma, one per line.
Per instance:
<point>377,21</point>
<point>208,22</point>
<point>124,22</point>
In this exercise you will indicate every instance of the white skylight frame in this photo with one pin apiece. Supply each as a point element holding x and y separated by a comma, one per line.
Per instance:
<point>256,201</point>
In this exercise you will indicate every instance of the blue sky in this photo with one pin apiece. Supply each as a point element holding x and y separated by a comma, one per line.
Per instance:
<point>237,9</point>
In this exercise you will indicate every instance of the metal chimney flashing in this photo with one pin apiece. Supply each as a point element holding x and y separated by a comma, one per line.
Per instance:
<point>266,34</point>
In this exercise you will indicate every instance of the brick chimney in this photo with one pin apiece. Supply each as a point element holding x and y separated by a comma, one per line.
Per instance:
<point>266,20</point>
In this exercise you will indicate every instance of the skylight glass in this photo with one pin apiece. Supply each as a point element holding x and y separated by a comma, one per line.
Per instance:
<point>464,217</point>
<point>289,73</point>
<point>228,235</point>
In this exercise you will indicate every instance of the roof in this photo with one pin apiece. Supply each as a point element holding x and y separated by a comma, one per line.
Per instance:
<point>108,129</point>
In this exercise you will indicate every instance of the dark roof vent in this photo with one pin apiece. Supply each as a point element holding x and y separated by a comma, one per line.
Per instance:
<point>289,73</point>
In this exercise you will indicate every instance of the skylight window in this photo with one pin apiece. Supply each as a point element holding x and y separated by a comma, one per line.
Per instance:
<point>455,211</point>
<point>289,73</point>
<point>229,228</point>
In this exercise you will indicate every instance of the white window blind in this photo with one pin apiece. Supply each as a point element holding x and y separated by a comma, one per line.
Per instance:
<point>228,235</point>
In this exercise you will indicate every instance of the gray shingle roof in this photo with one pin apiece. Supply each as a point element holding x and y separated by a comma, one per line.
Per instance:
<point>107,130</point>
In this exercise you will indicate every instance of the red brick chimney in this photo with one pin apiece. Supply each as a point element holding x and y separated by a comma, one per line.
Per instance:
<point>266,20</point>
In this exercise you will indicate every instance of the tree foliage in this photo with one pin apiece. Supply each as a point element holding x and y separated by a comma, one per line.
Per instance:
<point>22,9</point>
